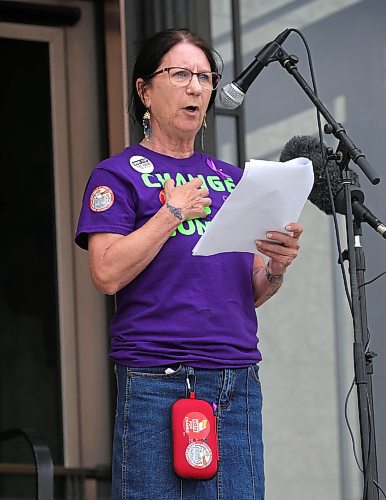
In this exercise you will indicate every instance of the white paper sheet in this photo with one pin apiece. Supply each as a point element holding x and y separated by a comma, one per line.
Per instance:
<point>268,196</point>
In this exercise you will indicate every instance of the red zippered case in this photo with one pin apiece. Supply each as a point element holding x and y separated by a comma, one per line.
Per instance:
<point>195,447</point>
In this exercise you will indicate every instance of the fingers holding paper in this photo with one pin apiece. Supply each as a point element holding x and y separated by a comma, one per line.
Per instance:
<point>281,248</point>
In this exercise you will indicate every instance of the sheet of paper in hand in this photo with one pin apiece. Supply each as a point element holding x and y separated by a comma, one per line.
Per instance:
<point>268,196</point>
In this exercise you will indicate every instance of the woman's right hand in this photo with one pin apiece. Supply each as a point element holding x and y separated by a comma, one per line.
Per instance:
<point>190,198</point>
<point>116,260</point>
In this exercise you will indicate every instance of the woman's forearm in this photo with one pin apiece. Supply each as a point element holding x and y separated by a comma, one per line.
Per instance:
<point>115,260</point>
<point>265,284</point>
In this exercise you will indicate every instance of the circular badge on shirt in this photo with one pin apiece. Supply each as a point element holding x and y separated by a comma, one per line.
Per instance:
<point>198,455</point>
<point>101,199</point>
<point>141,164</point>
<point>196,425</point>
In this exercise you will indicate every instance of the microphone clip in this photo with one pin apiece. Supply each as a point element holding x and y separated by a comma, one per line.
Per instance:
<point>341,156</point>
<point>333,156</point>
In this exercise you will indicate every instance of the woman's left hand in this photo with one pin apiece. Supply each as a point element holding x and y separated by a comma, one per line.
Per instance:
<point>283,249</point>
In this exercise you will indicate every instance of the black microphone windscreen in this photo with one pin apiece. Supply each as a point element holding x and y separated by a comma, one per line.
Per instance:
<point>309,147</point>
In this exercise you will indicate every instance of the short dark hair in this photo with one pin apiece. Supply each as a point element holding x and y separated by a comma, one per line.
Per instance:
<point>151,54</point>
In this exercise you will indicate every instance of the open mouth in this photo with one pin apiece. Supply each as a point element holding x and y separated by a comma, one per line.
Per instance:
<point>191,109</point>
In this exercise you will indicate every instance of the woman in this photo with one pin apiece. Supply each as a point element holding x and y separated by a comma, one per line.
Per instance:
<point>179,317</point>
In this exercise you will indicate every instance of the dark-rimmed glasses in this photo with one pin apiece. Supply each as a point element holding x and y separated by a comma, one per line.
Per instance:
<point>181,77</point>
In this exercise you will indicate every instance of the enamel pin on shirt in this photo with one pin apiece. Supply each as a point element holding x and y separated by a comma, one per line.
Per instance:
<point>101,199</point>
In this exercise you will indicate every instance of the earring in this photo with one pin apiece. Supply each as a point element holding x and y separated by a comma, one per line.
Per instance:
<point>203,129</point>
<point>146,125</point>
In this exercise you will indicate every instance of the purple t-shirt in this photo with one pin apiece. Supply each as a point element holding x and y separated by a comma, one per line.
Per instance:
<point>181,308</point>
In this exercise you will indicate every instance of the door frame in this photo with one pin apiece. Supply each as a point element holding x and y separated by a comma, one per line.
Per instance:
<point>84,368</point>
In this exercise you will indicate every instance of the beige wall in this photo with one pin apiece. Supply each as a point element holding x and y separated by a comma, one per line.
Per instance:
<point>305,330</point>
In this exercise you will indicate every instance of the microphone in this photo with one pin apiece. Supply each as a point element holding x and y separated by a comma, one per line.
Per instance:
<point>309,147</point>
<point>364,214</point>
<point>232,94</point>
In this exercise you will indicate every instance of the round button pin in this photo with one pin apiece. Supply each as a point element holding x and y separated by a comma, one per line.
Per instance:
<point>101,199</point>
<point>141,164</point>
<point>198,455</point>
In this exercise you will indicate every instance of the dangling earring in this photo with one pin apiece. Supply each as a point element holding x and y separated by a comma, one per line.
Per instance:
<point>203,129</point>
<point>146,125</point>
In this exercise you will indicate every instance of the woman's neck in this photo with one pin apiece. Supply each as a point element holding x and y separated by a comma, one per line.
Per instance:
<point>176,148</point>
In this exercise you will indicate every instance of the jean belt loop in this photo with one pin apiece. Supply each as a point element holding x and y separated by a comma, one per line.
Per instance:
<point>190,371</point>
<point>190,380</point>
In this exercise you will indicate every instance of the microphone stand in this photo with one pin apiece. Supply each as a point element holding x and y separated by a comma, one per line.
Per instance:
<point>363,365</point>
<point>363,359</point>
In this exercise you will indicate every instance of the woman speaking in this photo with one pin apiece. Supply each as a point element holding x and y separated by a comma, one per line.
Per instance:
<point>183,324</point>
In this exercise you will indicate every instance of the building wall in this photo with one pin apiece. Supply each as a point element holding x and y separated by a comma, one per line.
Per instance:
<point>306,331</point>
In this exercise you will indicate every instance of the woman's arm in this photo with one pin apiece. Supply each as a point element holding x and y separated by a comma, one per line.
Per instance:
<point>115,260</point>
<point>268,278</point>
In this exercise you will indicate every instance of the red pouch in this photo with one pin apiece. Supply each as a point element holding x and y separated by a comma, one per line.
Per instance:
<point>195,448</point>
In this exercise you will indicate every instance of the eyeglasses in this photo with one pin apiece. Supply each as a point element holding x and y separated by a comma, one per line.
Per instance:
<point>181,77</point>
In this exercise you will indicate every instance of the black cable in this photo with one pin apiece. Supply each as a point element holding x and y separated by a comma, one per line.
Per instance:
<point>324,159</point>
<point>371,440</point>
<point>349,426</point>
<point>346,415</point>
<point>372,281</point>
<point>379,488</point>
<point>371,429</point>
<point>341,262</point>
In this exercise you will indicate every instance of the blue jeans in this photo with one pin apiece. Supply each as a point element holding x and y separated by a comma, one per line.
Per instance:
<point>142,450</point>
